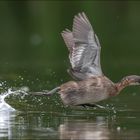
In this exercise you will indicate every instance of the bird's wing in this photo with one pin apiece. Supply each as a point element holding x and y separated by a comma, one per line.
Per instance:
<point>84,48</point>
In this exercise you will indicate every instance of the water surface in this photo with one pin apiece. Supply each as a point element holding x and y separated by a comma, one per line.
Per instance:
<point>65,122</point>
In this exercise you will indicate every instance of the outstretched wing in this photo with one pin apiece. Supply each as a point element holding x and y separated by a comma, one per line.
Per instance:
<point>84,48</point>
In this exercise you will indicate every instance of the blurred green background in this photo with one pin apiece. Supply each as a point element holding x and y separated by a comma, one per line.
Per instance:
<point>33,53</point>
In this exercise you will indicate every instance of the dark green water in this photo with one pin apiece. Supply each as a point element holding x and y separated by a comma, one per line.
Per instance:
<point>33,55</point>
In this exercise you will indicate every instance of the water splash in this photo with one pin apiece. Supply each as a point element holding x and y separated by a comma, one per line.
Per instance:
<point>3,105</point>
<point>6,115</point>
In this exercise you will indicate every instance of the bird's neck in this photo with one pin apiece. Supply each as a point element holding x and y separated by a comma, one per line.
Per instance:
<point>122,84</point>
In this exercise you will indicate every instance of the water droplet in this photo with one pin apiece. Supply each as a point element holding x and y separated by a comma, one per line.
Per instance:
<point>118,128</point>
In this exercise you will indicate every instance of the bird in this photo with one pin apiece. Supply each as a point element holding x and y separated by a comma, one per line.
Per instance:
<point>89,85</point>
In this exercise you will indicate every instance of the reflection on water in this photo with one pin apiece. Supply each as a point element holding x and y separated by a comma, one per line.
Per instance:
<point>83,129</point>
<point>7,117</point>
<point>20,125</point>
<point>67,124</point>
<point>42,125</point>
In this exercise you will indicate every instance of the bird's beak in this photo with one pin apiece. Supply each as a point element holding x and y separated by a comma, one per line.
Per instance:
<point>137,80</point>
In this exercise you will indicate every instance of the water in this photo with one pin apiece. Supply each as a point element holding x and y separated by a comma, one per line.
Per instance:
<point>3,105</point>
<point>6,116</point>
<point>67,123</point>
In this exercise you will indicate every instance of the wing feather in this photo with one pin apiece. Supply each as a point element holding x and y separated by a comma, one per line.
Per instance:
<point>84,47</point>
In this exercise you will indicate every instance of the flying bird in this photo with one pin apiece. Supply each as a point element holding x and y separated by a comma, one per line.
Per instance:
<point>90,85</point>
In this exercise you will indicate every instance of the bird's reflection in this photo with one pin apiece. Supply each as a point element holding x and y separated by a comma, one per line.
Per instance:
<point>82,129</point>
<point>6,117</point>
<point>7,114</point>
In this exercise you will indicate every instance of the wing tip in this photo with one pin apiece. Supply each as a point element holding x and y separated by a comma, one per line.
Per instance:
<point>66,31</point>
<point>81,20</point>
<point>68,38</point>
<point>81,15</point>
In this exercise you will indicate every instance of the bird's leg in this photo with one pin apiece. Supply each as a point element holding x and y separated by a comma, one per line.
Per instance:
<point>99,106</point>
<point>87,105</point>
<point>92,105</point>
<point>83,105</point>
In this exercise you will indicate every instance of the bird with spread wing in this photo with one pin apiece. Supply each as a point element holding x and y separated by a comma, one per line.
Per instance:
<point>90,85</point>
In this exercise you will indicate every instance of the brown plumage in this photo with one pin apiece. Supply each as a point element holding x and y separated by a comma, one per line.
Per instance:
<point>91,85</point>
<point>93,90</point>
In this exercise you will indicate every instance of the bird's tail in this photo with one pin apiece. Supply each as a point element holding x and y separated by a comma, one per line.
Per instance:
<point>46,92</point>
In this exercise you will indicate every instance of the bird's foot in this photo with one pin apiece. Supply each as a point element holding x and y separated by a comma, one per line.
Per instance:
<point>92,105</point>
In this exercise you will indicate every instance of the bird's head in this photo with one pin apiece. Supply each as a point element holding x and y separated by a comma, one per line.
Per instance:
<point>128,81</point>
<point>131,80</point>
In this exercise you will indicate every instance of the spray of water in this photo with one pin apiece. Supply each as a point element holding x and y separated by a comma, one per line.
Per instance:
<point>3,105</point>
